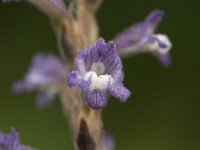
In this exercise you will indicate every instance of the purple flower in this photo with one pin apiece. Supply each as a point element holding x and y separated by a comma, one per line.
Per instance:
<point>45,73</point>
<point>11,141</point>
<point>107,141</point>
<point>141,38</point>
<point>98,71</point>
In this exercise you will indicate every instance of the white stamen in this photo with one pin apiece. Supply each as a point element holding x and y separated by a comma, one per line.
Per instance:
<point>98,82</point>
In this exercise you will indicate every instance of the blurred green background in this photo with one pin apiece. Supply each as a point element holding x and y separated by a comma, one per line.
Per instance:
<point>164,110</point>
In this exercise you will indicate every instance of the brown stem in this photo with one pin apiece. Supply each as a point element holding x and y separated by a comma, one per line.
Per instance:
<point>86,124</point>
<point>84,140</point>
<point>74,35</point>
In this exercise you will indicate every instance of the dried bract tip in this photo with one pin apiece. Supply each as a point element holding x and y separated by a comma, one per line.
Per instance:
<point>91,5</point>
<point>67,47</point>
<point>84,140</point>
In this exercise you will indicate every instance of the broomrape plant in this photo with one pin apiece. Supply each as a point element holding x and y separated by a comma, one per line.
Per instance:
<point>90,70</point>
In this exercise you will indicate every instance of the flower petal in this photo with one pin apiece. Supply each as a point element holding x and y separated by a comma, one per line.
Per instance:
<point>73,79</point>
<point>108,141</point>
<point>119,91</point>
<point>44,99</point>
<point>154,17</point>
<point>21,86</point>
<point>95,99</point>
<point>11,141</point>
<point>164,59</point>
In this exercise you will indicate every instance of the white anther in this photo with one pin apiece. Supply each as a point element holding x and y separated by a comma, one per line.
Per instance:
<point>98,82</point>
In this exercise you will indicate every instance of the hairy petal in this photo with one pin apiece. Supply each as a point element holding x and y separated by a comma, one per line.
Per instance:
<point>120,92</point>
<point>95,99</point>
<point>73,79</point>
<point>11,141</point>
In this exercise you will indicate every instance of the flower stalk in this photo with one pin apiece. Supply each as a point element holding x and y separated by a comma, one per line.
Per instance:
<point>75,34</point>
